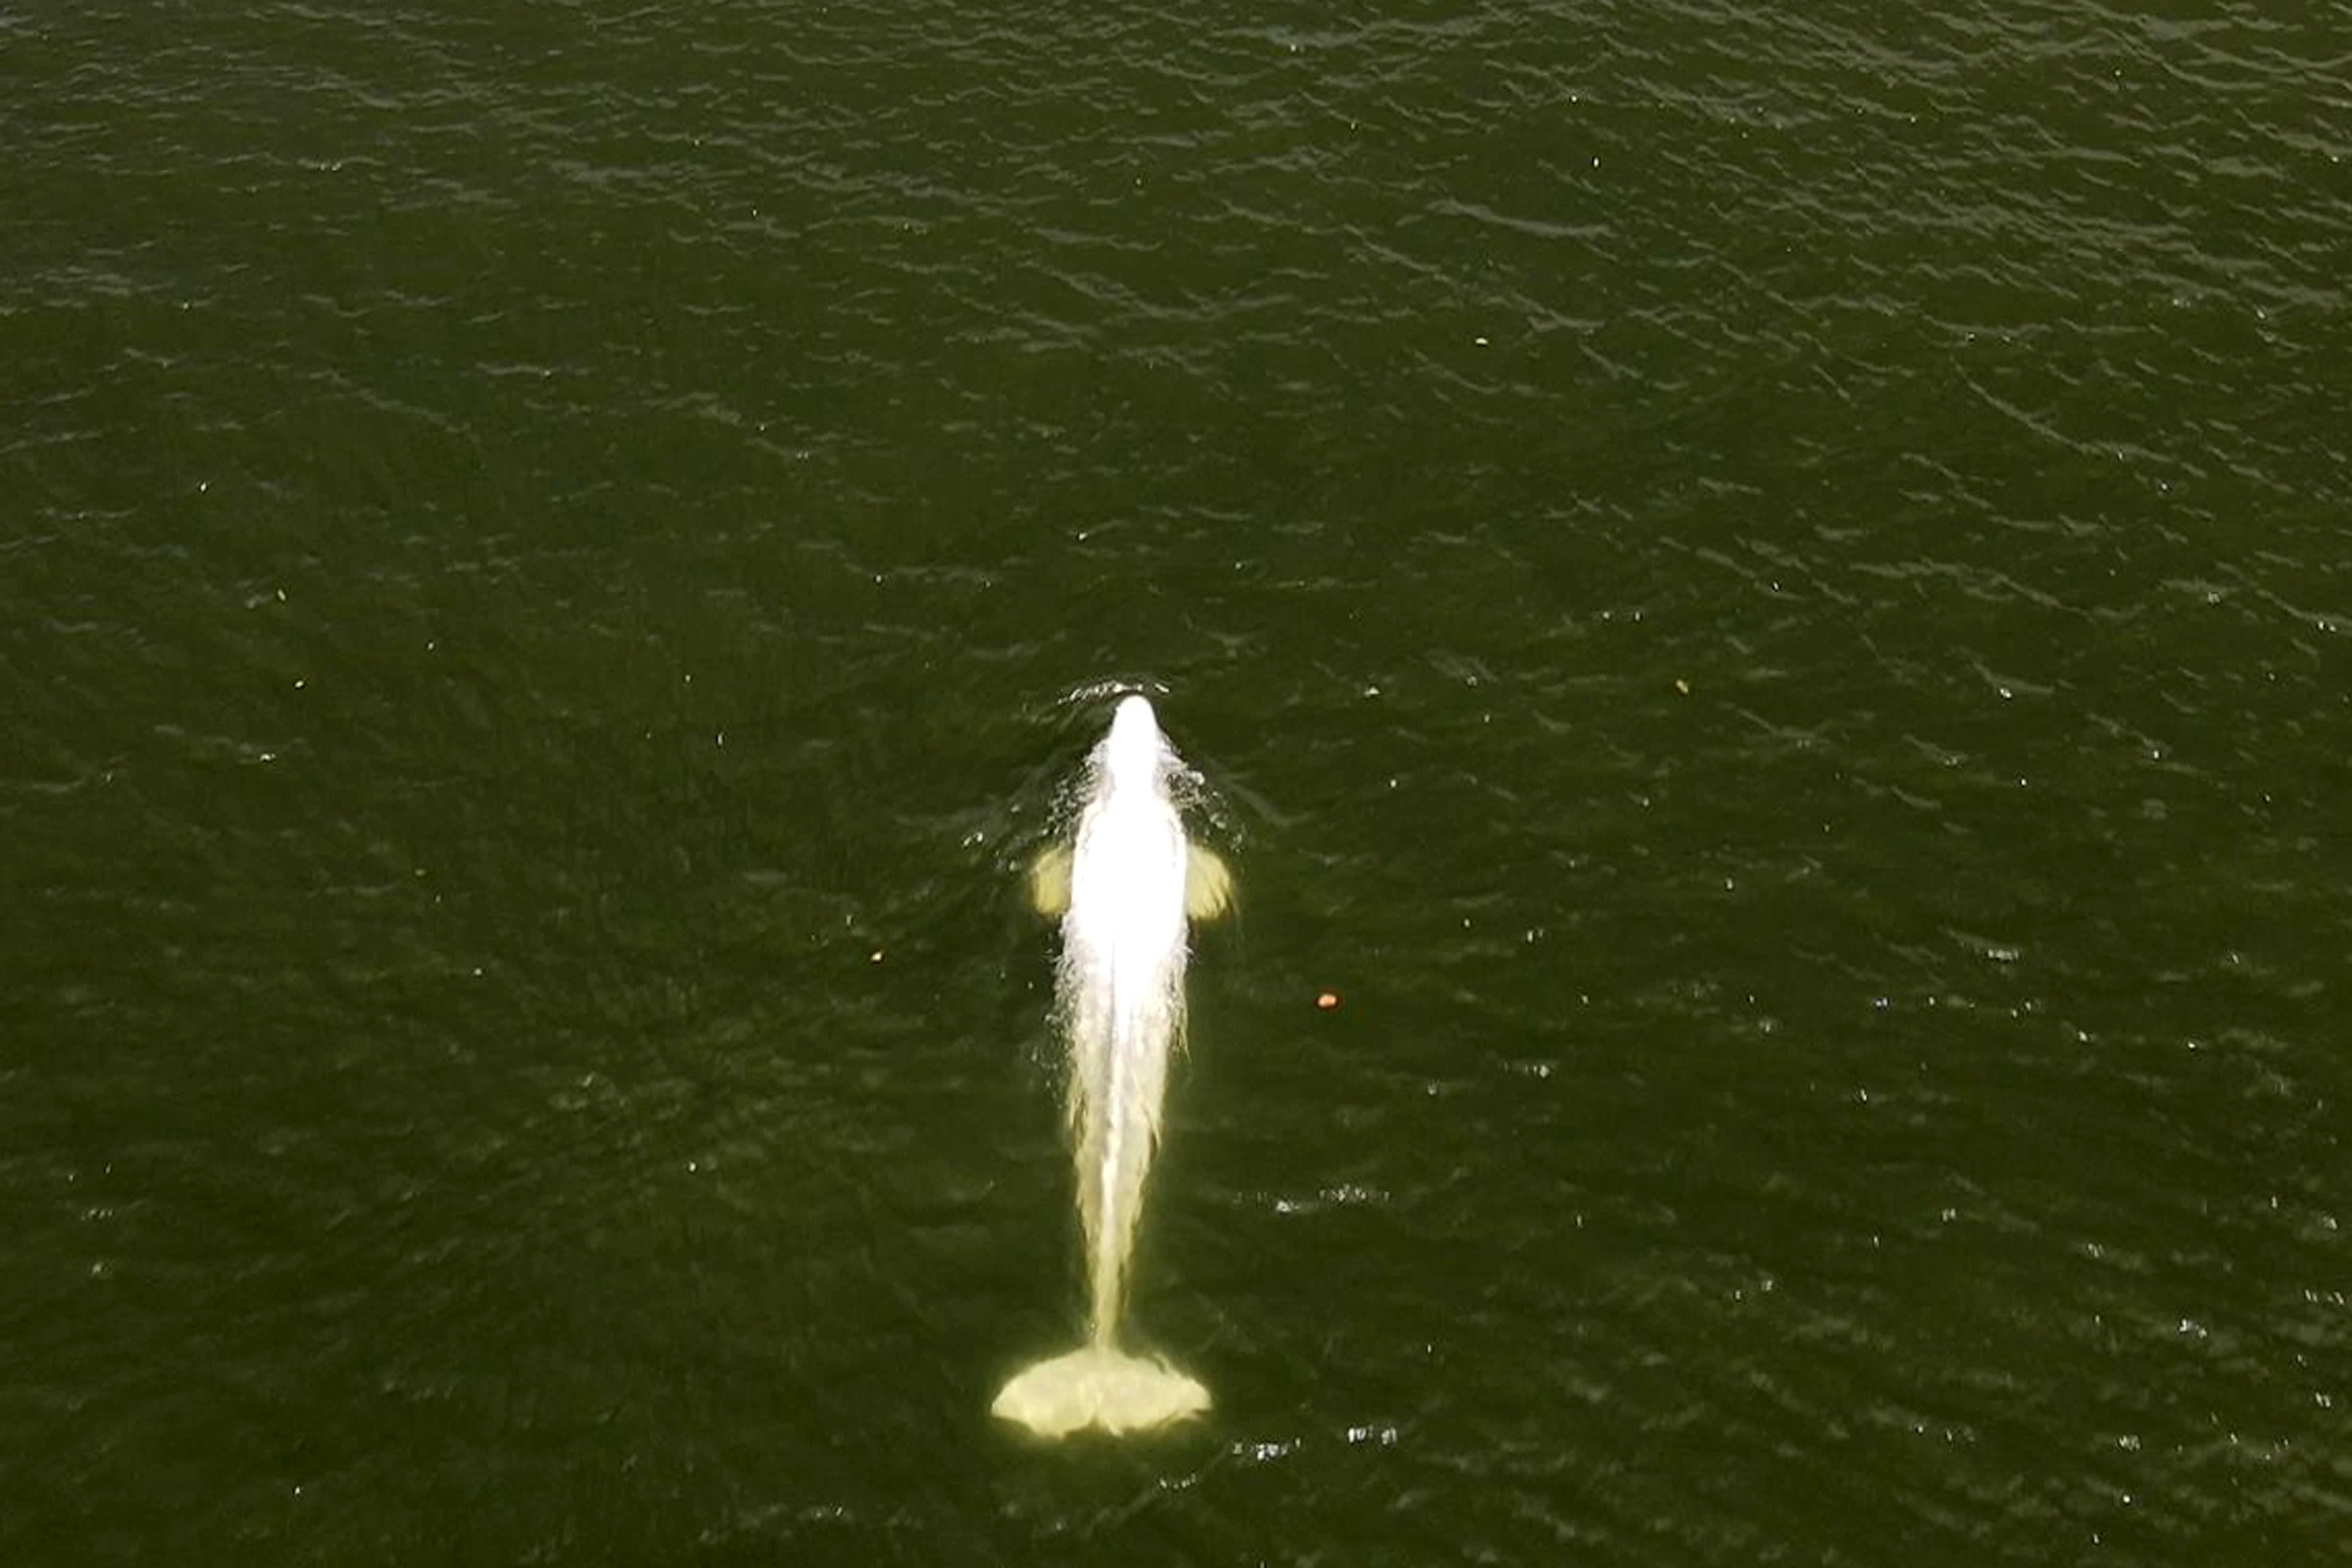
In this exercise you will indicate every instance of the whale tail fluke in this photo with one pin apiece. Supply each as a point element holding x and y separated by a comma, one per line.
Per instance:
<point>1097,1386</point>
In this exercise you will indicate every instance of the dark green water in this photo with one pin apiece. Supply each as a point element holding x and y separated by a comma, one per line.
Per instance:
<point>1766,597</point>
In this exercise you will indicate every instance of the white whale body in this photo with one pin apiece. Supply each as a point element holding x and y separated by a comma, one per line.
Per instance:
<point>1124,887</point>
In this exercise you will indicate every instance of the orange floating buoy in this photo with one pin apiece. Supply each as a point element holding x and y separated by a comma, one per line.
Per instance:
<point>1329,1000</point>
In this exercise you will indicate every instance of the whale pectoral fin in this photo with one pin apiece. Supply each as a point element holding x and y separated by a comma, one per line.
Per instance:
<point>1049,880</point>
<point>1208,884</point>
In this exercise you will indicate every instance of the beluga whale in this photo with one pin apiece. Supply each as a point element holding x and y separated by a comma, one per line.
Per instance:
<point>1126,886</point>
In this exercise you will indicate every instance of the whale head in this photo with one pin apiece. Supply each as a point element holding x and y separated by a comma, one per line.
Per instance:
<point>1131,757</point>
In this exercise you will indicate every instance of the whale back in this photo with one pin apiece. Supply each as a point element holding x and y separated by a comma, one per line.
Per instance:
<point>1121,984</point>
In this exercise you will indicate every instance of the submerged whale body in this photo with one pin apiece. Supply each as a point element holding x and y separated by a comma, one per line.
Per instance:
<point>1124,887</point>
